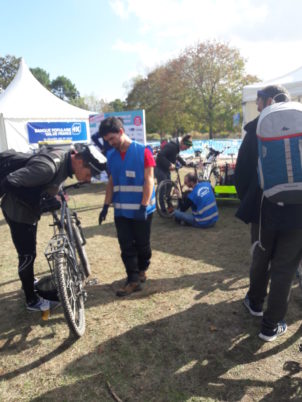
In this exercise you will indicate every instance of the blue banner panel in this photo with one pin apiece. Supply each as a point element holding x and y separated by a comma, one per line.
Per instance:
<point>56,131</point>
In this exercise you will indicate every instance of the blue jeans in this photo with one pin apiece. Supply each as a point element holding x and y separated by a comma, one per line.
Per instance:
<point>189,219</point>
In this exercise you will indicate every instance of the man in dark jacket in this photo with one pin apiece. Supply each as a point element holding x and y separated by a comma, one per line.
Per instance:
<point>22,189</point>
<point>167,156</point>
<point>278,227</point>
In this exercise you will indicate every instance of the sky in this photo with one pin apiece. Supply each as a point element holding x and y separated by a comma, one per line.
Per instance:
<point>101,45</point>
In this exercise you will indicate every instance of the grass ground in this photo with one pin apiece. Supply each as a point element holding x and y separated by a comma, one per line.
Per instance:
<point>185,337</point>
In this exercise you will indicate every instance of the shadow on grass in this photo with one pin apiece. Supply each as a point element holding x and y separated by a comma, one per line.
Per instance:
<point>214,246</point>
<point>16,325</point>
<point>200,352</point>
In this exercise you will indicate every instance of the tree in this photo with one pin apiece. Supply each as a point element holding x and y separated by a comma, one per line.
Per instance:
<point>8,67</point>
<point>42,76</point>
<point>117,105</point>
<point>214,74</point>
<point>64,88</point>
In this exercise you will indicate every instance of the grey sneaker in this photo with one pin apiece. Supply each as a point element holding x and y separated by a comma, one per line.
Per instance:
<point>270,335</point>
<point>256,312</point>
<point>38,305</point>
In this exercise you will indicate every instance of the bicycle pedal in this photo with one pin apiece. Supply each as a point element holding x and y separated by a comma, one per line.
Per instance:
<point>92,282</point>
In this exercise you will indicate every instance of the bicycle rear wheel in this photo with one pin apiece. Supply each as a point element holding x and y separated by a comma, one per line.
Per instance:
<point>69,287</point>
<point>299,274</point>
<point>166,199</point>
<point>80,250</point>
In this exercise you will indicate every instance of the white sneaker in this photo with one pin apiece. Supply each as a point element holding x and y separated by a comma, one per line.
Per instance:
<point>39,305</point>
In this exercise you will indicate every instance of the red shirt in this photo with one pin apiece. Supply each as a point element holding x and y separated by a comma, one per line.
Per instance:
<point>149,160</point>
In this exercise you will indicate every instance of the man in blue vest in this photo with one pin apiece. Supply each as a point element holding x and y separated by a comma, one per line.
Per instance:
<point>131,190</point>
<point>202,202</point>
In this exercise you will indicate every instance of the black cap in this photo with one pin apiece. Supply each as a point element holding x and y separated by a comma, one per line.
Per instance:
<point>94,158</point>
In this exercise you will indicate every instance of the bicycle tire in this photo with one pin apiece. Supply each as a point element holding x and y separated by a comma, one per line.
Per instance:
<point>299,274</point>
<point>72,302</point>
<point>80,249</point>
<point>213,178</point>
<point>166,202</point>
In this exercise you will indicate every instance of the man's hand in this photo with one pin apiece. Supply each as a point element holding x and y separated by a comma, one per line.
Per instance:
<point>103,213</point>
<point>141,213</point>
<point>172,167</point>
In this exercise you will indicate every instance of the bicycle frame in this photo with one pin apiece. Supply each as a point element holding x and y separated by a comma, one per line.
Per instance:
<point>63,237</point>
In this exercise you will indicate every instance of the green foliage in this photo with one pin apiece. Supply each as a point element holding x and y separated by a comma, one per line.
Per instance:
<point>64,88</point>
<point>200,90</point>
<point>8,67</point>
<point>118,105</point>
<point>42,76</point>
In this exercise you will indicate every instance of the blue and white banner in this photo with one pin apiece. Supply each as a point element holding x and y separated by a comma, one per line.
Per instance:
<point>74,131</point>
<point>133,121</point>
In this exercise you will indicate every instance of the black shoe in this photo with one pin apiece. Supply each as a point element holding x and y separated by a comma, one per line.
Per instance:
<point>255,311</point>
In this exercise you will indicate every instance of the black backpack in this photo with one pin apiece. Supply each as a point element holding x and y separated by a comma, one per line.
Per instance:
<point>12,160</point>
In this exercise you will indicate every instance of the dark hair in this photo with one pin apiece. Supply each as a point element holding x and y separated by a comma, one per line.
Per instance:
<point>277,92</point>
<point>110,125</point>
<point>192,177</point>
<point>187,140</point>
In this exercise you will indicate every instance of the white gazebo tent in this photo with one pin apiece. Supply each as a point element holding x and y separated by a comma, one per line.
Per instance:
<point>26,100</point>
<point>291,81</point>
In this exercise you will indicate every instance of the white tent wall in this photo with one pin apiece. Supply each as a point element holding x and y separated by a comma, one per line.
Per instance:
<point>15,133</point>
<point>291,81</point>
<point>26,100</point>
<point>3,142</point>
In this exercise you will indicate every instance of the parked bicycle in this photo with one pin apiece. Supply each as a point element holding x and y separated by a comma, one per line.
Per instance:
<point>68,263</point>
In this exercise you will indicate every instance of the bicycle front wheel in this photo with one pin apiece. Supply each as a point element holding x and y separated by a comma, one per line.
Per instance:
<point>81,252</point>
<point>166,198</point>
<point>69,287</point>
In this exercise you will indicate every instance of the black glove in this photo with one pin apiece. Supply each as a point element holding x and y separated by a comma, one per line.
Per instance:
<point>103,213</point>
<point>49,203</point>
<point>141,213</point>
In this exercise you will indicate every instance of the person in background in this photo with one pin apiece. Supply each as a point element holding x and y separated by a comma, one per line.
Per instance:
<point>277,257</point>
<point>131,189</point>
<point>43,174</point>
<point>169,154</point>
<point>202,202</point>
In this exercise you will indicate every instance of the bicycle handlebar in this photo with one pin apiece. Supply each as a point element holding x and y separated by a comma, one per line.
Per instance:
<point>74,185</point>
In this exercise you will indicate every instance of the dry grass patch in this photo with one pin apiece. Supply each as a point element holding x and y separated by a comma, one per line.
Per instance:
<point>185,337</point>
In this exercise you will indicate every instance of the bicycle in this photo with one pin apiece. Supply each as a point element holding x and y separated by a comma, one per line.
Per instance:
<point>220,176</point>
<point>68,263</point>
<point>167,193</point>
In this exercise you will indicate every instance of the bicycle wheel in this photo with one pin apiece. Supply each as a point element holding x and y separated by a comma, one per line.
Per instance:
<point>213,178</point>
<point>166,198</point>
<point>299,274</point>
<point>70,293</point>
<point>80,250</point>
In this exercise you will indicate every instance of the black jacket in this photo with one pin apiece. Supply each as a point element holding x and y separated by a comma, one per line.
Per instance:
<point>248,190</point>
<point>168,155</point>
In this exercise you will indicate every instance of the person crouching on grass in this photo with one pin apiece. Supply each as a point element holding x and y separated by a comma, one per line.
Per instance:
<point>202,202</point>
<point>131,189</point>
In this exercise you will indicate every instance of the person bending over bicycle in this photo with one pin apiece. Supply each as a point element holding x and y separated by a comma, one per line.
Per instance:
<point>43,174</point>
<point>168,155</point>
<point>202,202</point>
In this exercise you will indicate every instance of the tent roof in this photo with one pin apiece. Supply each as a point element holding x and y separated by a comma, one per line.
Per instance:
<point>26,98</point>
<point>291,81</point>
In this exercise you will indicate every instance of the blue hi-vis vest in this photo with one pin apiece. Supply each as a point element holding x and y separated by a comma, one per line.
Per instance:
<point>205,211</point>
<point>128,180</point>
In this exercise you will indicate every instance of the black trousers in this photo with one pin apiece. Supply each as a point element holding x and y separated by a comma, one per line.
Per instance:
<point>278,262</point>
<point>24,237</point>
<point>134,240</point>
